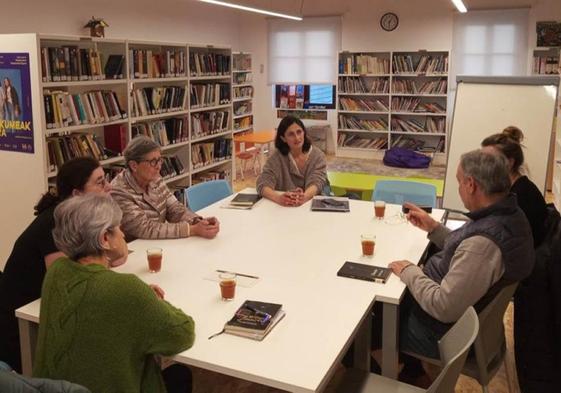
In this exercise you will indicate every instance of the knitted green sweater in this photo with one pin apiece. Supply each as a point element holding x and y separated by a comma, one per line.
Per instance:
<point>101,329</point>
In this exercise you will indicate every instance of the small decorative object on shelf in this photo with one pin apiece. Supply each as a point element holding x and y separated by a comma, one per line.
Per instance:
<point>97,27</point>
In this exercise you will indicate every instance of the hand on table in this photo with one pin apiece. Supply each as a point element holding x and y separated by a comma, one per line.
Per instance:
<point>420,218</point>
<point>398,266</point>
<point>292,198</point>
<point>207,228</point>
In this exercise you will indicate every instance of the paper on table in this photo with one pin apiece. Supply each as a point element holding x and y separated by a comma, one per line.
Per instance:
<point>245,282</point>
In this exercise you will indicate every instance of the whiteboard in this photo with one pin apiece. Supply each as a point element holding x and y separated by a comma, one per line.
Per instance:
<point>485,106</point>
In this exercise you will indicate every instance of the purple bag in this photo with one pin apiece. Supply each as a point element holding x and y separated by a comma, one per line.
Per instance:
<point>405,158</point>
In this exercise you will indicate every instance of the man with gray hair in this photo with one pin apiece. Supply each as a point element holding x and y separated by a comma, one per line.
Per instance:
<point>493,250</point>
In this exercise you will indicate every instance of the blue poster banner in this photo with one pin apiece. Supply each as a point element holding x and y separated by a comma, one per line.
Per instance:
<point>16,116</point>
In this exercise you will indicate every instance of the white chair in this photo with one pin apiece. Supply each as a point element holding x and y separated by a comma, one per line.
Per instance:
<point>454,347</point>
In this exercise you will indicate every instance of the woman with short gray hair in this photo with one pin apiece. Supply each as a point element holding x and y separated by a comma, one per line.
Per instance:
<point>150,210</point>
<point>94,319</point>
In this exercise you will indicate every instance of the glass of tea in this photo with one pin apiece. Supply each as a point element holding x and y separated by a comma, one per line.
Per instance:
<point>379,209</point>
<point>227,285</point>
<point>368,241</point>
<point>154,256</point>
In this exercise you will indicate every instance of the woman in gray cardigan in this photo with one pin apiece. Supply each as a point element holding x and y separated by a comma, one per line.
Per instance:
<point>295,167</point>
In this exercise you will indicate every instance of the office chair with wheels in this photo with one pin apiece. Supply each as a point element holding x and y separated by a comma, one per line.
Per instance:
<point>454,347</point>
<point>400,191</point>
<point>206,193</point>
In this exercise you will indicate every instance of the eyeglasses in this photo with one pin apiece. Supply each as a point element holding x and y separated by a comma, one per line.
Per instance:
<point>154,162</point>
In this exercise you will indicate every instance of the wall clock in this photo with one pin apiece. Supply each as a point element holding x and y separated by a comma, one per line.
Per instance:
<point>389,21</point>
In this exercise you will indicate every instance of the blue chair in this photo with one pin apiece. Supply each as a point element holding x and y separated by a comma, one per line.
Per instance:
<point>398,192</point>
<point>206,193</point>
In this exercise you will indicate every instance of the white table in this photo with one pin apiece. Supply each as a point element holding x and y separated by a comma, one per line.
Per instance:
<point>297,254</point>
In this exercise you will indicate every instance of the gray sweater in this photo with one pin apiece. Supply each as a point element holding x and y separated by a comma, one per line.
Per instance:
<point>281,173</point>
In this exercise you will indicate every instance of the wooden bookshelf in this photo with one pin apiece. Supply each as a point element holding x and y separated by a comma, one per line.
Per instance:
<point>387,99</point>
<point>149,93</point>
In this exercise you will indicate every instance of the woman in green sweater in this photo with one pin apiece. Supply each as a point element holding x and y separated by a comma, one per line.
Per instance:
<point>99,328</point>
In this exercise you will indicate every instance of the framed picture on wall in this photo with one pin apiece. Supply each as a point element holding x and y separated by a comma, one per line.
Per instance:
<point>548,33</point>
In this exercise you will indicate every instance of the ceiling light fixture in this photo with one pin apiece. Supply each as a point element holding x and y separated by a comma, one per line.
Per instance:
<point>251,9</point>
<point>460,6</point>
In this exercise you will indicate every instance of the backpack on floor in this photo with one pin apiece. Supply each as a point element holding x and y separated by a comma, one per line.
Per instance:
<point>405,158</point>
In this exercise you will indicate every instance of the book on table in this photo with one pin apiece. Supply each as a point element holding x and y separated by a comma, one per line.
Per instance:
<point>245,200</point>
<point>330,204</point>
<point>361,271</point>
<point>254,319</point>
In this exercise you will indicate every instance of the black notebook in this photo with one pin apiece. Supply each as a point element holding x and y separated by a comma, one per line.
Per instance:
<point>254,319</point>
<point>330,204</point>
<point>361,271</point>
<point>245,199</point>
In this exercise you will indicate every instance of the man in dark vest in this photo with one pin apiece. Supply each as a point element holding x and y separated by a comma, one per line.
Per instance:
<point>476,261</point>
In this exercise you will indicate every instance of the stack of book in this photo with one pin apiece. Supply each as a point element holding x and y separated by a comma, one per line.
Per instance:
<point>254,319</point>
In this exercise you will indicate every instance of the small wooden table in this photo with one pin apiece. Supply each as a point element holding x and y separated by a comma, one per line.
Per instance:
<point>261,138</point>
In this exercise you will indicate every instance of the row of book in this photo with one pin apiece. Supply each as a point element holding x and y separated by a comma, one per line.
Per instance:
<point>355,123</point>
<point>243,122</point>
<point>154,100</point>
<point>414,104</point>
<point>163,132</point>
<point>203,154</point>
<point>426,64</point>
<point>242,78</point>
<point>171,167</point>
<point>356,84</point>
<point>147,63</point>
<point>63,148</point>
<point>242,108</point>
<point>71,64</point>
<point>211,175</point>
<point>357,141</point>
<point>209,94</point>
<point>363,64</point>
<point>423,145</point>
<point>209,64</point>
<point>363,104</point>
<point>242,62</point>
<point>407,86</point>
<point>546,65</point>
<point>430,124</point>
<point>208,123</point>
<point>63,109</point>
<point>243,92</point>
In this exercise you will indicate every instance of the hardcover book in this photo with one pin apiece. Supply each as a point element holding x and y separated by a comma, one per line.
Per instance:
<point>254,319</point>
<point>245,200</point>
<point>361,271</point>
<point>330,204</point>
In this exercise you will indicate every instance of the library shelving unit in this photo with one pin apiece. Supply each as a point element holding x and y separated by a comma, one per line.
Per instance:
<point>98,93</point>
<point>210,106</point>
<point>242,78</point>
<point>546,61</point>
<point>388,99</point>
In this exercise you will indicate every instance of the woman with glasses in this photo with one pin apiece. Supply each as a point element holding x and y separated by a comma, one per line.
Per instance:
<point>99,328</point>
<point>296,168</point>
<point>34,251</point>
<point>150,210</point>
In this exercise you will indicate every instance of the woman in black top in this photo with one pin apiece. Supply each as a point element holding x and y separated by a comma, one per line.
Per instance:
<point>530,199</point>
<point>34,251</point>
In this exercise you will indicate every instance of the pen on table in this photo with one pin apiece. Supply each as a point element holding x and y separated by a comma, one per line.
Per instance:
<point>237,274</point>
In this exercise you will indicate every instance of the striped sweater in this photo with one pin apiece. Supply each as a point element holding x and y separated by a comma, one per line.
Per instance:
<point>152,214</point>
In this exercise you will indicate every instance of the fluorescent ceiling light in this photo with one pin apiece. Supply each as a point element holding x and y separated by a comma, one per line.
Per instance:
<point>460,5</point>
<point>259,11</point>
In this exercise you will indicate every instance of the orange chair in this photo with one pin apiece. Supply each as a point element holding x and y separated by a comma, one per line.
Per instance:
<point>246,152</point>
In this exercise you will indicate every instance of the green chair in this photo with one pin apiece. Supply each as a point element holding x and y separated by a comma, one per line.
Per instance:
<point>398,192</point>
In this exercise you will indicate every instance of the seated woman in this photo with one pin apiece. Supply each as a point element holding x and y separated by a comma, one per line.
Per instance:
<point>34,250</point>
<point>530,199</point>
<point>99,328</point>
<point>150,210</point>
<point>295,167</point>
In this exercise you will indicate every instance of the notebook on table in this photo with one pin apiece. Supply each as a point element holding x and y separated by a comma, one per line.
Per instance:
<point>254,319</point>
<point>244,201</point>
<point>330,204</point>
<point>361,271</point>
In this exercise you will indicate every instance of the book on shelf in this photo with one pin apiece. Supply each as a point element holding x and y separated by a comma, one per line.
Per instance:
<point>330,204</point>
<point>114,67</point>
<point>209,94</point>
<point>244,199</point>
<point>69,63</point>
<point>211,175</point>
<point>63,148</point>
<point>151,63</point>
<point>203,154</point>
<point>154,100</point>
<point>115,136</point>
<point>209,64</point>
<point>364,272</point>
<point>208,123</point>
<point>254,319</point>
